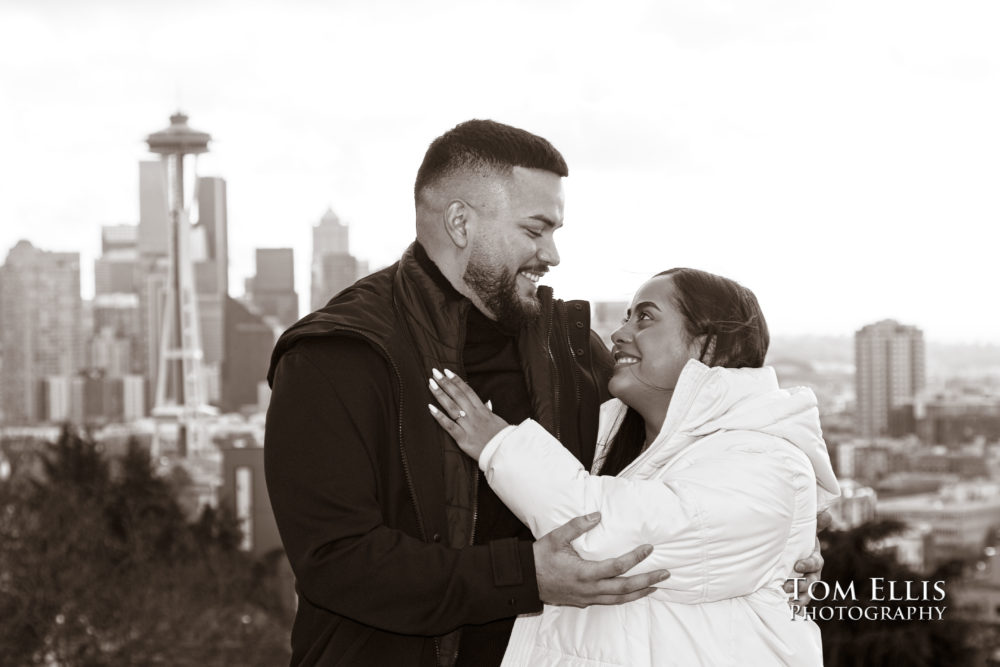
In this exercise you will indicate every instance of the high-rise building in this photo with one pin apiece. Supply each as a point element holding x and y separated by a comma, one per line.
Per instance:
<point>340,270</point>
<point>154,228</point>
<point>330,235</point>
<point>211,278</point>
<point>109,353</point>
<point>115,271</point>
<point>152,297</point>
<point>41,310</point>
<point>119,237</point>
<point>333,268</point>
<point>153,267</point>
<point>272,290</point>
<point>250,338</point>
<point>114,335</point>
<point>213,222</point>
<point>889,360</point>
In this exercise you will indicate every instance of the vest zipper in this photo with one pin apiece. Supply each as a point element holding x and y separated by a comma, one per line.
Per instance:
<point>573,366</point>
<point>555,375</point>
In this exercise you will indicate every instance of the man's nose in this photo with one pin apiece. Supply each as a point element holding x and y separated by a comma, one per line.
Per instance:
<point>547,252</point>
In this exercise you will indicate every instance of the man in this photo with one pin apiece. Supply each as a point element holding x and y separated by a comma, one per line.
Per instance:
<point>401,552</point>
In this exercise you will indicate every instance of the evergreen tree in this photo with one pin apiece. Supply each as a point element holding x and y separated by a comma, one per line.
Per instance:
<point>99,567</point>
<point>852,556</point>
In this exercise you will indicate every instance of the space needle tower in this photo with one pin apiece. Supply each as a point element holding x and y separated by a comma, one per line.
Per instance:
<point>180,379</point>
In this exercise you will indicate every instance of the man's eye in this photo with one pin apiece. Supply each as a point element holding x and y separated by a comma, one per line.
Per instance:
<point>534,233</point>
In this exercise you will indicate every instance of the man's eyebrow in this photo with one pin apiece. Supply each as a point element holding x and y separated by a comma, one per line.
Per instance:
<point>547,220</point>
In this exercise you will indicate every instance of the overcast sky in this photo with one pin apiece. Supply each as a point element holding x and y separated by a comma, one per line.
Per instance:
<point>840,158</point>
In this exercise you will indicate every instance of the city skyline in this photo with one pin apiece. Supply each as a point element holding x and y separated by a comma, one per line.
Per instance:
<point>838,159</point>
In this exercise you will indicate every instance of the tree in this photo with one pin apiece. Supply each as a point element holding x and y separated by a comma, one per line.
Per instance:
<point>852,557</point>
<point>98,566</point>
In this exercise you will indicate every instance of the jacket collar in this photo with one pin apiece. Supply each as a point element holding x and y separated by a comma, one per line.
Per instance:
<point>430,303</point>
<point>437,310</point>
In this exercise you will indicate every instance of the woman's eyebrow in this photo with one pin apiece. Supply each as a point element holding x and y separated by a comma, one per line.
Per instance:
<point>640,306</point>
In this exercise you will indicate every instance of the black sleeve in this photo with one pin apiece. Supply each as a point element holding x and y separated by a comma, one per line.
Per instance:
<point>331,420</point>
<point>603,364</point>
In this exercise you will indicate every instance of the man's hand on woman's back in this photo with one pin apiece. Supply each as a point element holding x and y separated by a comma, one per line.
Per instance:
<point>566,579</point>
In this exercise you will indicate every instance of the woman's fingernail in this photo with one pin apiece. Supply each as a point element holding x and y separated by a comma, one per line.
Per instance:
<point>433,409</point>
<point>433,384</point>
<point>436,373</point>
<point>449,373</point>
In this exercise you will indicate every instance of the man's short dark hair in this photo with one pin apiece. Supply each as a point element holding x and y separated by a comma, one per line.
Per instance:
<point>486,145</point>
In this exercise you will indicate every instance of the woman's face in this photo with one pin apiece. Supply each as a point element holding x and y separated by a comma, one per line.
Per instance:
<point>651,347</point>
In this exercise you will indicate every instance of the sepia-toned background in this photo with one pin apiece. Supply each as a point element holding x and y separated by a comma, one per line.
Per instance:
<point>838,158</point>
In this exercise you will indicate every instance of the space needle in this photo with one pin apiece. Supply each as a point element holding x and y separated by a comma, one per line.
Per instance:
<point>180,378</point>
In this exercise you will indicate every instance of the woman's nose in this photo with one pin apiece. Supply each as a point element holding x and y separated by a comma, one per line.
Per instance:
<point>621,335</point>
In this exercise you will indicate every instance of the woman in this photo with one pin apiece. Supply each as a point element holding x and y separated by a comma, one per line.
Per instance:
<point>701,455</point>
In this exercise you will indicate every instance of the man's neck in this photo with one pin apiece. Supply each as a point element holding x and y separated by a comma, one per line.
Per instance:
<point>447,284</point>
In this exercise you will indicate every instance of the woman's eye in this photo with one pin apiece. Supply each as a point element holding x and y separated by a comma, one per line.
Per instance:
<point>644,316</point>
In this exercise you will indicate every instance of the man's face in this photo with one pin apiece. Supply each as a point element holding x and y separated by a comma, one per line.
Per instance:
<point>513,244</point>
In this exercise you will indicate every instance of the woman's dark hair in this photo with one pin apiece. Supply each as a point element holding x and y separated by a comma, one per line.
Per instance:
<point>727,316</point>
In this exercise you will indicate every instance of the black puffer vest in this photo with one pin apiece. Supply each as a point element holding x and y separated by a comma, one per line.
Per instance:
<point>417,326</point>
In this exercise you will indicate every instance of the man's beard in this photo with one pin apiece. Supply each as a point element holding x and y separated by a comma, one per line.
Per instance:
<point>497,289</point>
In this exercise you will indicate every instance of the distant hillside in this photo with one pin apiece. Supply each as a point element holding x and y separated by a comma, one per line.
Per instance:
<point>942,358</point>
<point>812,349</point>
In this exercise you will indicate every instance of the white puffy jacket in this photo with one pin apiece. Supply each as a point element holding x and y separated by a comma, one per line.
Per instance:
<point>727,495</point>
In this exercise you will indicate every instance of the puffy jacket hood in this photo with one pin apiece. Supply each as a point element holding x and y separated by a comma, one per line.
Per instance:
<point>708,400</point>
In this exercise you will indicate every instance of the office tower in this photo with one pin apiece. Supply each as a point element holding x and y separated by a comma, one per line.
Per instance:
<point>109,354</point>
<point>250,338</point>
<point>889,375</point>
<point>340,270</point>
<point>211,271</point>
<point>333,268</point>
<point>41,310</point>
<point>152,287</point>
<point>213,223</point>
<point>121,314</point>
<point>115,271</point>
<point>154,224</point>
<point>244,492</point>
<point>119,237</point>
<point>330,235</point>
<point>153,267</point>
<point>272,289</point>
<point>114,337</point>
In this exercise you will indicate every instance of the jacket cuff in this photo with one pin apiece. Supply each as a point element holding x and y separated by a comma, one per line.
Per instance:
<point>513,562</point>
<point>492,446</point>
